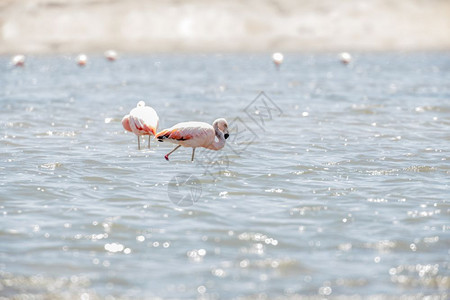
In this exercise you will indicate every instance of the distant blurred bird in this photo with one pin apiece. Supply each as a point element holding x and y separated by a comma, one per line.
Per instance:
<point>196,134</point>
<point>277,58</point>
<point>82,60</point>
<point>111,55</point>
<point>142,120</point>
<point>18,60</point>
<point>345,58</point>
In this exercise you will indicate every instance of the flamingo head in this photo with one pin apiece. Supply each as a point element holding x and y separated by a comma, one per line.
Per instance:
<point>222,125</point>
<point>140,104</point>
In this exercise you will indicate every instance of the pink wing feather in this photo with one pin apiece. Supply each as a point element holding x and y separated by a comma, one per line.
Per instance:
<point>188,134</point>
<point>126,123</point>
<point>143,120</point>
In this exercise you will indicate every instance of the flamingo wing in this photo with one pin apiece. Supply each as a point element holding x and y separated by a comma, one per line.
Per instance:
<point>126,123</point>
<point>179,134</point>
<point>144,120</point>
<point>188,134</point>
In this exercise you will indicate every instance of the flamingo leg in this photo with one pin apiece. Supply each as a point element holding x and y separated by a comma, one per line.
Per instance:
<point>149,142</point>
<point>139,143</point>
<point>167,155</point>
<point>193,151</point>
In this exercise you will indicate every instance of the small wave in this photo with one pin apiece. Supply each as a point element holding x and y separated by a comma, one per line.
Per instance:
<point>273,190</point>
<point>57,133</point>
<point>42,287</point>
<point>304,209</point>
<point>50,166</point>
<point>426,108</point>
<point>283,265</point>
<point>96,179</point>
<point>112,120</point>
<point>423,275</point>
<point>257,237</point>
<point>18,125</point>
<point>382,172</point>
<point>420,169</point>
<point>365,109</point>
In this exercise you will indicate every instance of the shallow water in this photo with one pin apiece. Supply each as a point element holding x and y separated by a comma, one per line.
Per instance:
<point>335,182</point>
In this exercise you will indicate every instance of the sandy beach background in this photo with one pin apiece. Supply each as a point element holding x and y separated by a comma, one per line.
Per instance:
<point>54,26</point>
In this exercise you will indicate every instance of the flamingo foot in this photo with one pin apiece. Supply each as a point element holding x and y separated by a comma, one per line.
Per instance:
<point>166,157</point>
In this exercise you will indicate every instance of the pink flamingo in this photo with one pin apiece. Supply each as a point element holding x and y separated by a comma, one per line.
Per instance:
<point>196,134</point>
<point>142,120</point>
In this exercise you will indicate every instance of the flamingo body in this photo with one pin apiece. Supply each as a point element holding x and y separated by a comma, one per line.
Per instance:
<point>196,134</point>
<point>345,58</point>
<point>82,60</point>
<point>111,55</point>
<point>142,120</point>
<point>277,59</point>
<point>18,60</point>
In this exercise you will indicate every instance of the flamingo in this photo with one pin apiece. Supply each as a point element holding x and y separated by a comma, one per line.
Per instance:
<point>345,58</point>
<point>18,60</point>
<point>82,60</point>
<point>277,59</point>
<point>111,55</point>
<point>142,120</point>
<point>196,134</point>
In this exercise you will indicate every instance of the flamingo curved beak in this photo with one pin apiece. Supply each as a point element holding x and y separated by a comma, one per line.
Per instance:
<point>226,135</point>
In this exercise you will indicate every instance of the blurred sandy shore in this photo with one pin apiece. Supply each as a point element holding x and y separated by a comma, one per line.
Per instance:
<point>43,26</point>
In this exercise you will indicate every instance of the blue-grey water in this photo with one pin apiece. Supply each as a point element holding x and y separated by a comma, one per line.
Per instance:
<point>334,182</point>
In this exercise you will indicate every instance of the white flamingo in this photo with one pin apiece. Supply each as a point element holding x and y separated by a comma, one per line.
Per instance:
<point>345,58</point>
<point>277,58</point>
<point>82,60</point>
<point>111,55</point>
<point>196,134</point>
<point>18,60</point>
<point>142,120</point>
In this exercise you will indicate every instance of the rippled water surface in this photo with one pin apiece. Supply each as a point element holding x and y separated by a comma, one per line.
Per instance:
<point>335,182</point>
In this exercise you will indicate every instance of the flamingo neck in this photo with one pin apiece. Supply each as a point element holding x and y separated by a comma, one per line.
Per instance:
<point>218,143</point>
